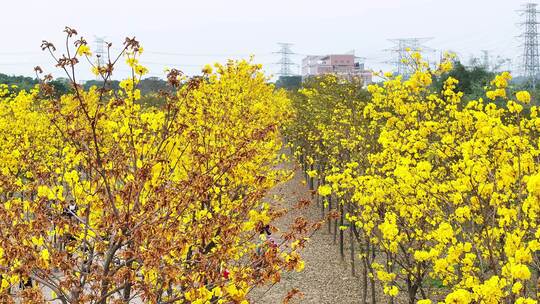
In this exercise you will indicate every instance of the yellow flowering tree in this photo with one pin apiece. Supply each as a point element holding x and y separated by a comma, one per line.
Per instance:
<point>105,201</point>
<point>443,193</point>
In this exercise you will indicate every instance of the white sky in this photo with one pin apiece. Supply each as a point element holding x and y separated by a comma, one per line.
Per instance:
<point>205,31</point>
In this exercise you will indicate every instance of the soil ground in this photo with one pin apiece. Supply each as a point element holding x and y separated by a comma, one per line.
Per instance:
<point>325,278</point>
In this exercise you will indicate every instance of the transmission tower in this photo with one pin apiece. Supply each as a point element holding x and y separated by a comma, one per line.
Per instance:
<point>401,52</point>
<point>99,50</point>
<point>502,64</point>
<point>485,59</point>
<point>285,62</point>
<point>530,57</point>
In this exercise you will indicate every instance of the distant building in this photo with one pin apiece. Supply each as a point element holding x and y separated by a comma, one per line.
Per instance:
<point>343,65</point>
<point>310,65</point>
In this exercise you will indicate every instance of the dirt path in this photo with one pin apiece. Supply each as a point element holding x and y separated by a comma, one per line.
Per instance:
<point>325,278</point>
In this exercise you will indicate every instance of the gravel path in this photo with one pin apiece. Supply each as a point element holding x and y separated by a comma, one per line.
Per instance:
<point>325,278</point>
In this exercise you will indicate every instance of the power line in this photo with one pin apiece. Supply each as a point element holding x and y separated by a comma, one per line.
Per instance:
<point>22,53</point>
<point>207,55</point>
<point>180,54</point>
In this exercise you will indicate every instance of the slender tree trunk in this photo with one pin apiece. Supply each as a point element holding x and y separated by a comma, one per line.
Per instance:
<point>412,289</point>
<point>351,249</point>
<point>311,179</point>
<point>372,278</point>
<point>341,232</point>
<point>329,209</point>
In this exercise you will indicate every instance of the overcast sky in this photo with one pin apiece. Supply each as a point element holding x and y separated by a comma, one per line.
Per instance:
<point>188,34</point>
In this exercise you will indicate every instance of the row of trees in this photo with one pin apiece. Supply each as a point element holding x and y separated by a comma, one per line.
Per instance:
<point>440,195</point>
<point>149,86</point>
<point>103,200</point>
<point>22,83</point>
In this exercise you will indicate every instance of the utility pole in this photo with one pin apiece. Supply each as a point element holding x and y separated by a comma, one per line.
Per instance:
<point>530,57</point>
<point>401,52</point>
<point>285,62</point>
